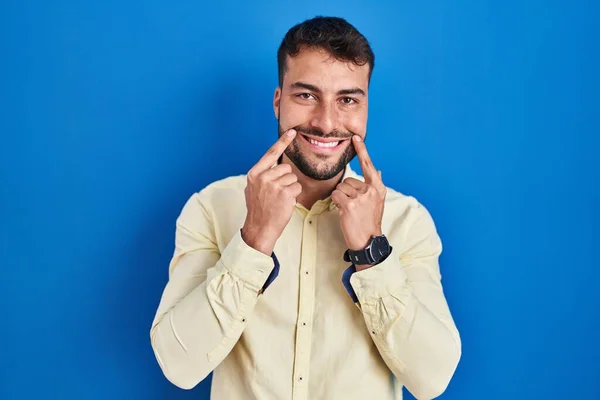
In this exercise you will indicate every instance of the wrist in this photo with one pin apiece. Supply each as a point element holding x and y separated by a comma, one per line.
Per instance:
<point>375,251</point>
<point>362,267</point>
<point>362,244</point>
<point>258,242</point>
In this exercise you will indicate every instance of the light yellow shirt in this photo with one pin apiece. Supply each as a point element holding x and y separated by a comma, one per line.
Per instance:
<point>303,338</point>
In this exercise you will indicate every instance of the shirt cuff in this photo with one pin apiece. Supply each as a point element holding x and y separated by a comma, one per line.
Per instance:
<point>377,281</point>
<point>246,263</point>
<point>274,273</point>
<point>346,281</point>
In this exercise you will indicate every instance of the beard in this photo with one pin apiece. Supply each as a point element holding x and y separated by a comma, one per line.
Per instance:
<point>329,169</point>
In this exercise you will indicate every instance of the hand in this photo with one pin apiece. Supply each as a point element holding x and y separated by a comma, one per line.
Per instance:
<point>270,197</point>
<point>360,203</point>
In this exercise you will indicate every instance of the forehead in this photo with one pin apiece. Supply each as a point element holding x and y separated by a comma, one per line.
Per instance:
<point>318,67</point>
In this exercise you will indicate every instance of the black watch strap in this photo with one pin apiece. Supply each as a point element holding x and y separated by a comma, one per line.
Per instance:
<point>376,251</point>
<point>358,257</point>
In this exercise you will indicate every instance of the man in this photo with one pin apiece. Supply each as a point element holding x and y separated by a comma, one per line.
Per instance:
<point>302,279</point>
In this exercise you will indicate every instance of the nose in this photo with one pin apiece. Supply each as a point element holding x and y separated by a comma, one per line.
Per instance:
<point>325,117</point>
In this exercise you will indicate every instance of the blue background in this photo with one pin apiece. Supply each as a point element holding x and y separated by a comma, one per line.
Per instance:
<point>114,112</point>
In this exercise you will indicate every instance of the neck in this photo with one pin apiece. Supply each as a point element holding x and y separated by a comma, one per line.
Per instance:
<point>313,190</point>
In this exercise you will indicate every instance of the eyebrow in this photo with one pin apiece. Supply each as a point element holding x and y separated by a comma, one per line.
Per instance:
<point>352,91</point>
<point>313,88</point>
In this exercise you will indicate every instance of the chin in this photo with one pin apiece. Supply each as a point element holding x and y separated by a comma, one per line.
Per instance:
<point>317,169</point>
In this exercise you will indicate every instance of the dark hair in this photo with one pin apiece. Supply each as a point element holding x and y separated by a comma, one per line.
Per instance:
<point>332,34</point>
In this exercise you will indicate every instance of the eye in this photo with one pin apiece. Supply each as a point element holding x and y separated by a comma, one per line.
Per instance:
<point>348,100</point>
<point>305,96</point>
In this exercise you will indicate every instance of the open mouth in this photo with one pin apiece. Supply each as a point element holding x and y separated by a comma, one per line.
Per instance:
<point>324,145</point>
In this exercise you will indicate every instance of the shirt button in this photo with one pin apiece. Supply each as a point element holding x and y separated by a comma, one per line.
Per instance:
<point>304,324</point>
<point>300,378</point>
<point>310,221</point>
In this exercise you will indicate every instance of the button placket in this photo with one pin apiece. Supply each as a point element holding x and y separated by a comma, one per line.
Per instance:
<point>305,309</point>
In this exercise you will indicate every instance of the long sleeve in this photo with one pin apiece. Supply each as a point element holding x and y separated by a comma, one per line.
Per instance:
<point>208,298</point>
<point>406,313</point>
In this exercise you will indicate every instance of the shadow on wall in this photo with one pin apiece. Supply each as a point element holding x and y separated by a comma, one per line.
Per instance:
<point>212,140</point>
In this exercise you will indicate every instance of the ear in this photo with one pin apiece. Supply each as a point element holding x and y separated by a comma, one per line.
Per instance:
<point>276,101</point>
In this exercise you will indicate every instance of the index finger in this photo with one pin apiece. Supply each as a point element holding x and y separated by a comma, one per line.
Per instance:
<point>370,173</point>
<point>273,154</point>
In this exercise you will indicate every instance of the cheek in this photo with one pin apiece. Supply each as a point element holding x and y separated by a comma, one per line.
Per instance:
<point>356,122</point>
<point>292,114</point>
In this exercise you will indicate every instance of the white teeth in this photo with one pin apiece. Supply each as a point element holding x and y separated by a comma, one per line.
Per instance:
<point>323,144</point>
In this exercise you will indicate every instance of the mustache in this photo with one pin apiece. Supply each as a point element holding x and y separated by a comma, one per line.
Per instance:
<point>319,133</point>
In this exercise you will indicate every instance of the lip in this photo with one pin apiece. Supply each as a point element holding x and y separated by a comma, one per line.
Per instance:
<point>323,149</point>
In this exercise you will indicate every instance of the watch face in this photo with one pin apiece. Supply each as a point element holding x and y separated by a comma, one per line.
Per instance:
<point>379,248</point>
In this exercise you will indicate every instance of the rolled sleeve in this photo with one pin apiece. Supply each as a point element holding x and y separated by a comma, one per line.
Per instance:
<point>246,263</point>
<point>378,281</point>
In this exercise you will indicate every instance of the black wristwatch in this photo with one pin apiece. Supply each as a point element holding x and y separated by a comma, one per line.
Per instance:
<point>376,251</point>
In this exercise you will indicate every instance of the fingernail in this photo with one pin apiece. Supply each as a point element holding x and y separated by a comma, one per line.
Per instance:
<point>291,132</point>
<point>357,138</point>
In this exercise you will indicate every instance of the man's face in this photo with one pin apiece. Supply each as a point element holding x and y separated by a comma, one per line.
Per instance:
<point>324,100</point>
